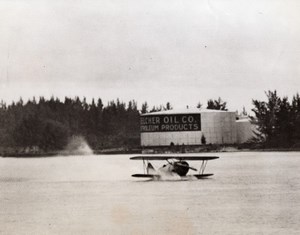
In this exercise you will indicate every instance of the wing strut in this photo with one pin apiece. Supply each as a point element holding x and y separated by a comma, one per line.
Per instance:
<point>203,166</point>
<point>144,166</point>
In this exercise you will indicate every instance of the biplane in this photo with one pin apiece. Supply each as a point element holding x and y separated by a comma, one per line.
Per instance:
<point>176,166</point>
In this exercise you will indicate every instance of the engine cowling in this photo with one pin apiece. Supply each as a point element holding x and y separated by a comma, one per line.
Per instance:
<point>181,168</point>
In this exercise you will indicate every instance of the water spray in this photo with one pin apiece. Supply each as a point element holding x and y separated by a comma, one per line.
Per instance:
<point>77,145</point>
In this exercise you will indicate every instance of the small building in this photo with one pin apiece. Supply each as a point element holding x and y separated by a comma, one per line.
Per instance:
<point>191,127</point>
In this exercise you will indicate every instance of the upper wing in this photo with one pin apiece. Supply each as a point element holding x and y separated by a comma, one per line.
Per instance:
<point>188,158</point>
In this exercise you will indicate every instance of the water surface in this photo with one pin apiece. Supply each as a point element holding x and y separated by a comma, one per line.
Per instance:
<point>250,193</point>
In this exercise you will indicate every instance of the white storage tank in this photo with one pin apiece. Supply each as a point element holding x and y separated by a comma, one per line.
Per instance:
<point>245,130</point>
<point>188,127</point>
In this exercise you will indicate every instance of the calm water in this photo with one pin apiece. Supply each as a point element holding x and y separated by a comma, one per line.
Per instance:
<point>250,193</point>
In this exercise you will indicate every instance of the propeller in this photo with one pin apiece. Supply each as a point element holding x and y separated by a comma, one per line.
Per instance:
<point>182,165</point>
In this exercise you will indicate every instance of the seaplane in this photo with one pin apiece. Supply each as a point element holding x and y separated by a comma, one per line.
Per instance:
<point>175,167</point>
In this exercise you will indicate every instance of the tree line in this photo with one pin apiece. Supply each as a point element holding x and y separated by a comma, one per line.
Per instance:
<point>49,123</point>
<point>277,120</point>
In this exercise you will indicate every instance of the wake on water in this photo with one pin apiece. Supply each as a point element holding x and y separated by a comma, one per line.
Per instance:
<point>175,177</point>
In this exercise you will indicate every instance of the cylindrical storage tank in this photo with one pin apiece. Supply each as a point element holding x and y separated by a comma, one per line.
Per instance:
<point>187,127</point>
<point>244,130</point>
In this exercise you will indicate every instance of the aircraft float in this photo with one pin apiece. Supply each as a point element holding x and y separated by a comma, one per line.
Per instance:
<point>176,166</point>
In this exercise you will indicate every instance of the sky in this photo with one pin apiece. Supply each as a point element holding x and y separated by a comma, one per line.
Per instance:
<point>159,51</point>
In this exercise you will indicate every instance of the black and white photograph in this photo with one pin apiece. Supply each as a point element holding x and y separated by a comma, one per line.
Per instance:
<point>143,117</point>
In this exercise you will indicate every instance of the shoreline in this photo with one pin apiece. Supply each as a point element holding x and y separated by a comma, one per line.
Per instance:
<point>113,151</point>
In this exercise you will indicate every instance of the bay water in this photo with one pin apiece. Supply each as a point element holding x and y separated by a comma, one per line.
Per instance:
<point>250,193</point>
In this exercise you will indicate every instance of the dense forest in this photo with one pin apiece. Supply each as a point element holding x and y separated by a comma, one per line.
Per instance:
<point>48,124</point>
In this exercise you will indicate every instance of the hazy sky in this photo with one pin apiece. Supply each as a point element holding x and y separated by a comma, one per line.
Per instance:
<point>150,50</point>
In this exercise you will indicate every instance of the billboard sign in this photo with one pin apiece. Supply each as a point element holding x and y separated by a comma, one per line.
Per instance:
<point>170,122</point>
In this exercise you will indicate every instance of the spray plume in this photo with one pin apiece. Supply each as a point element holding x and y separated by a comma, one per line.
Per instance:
<point>77,145</point>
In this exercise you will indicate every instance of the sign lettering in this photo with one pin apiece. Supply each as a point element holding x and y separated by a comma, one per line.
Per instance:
<point>171,122</point>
